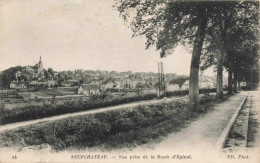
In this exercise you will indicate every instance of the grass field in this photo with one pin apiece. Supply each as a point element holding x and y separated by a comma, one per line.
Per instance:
<point>39,108</point>
<point>109,130</point>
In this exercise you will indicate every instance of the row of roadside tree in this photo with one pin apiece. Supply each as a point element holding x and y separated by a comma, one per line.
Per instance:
<point>223,34</point>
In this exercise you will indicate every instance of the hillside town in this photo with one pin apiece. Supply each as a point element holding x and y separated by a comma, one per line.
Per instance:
<point>89,82</point>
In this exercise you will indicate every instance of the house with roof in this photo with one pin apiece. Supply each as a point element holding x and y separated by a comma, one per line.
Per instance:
<point>48,82</point>
<point>119,84</point>
<point>18,84</point>
<point>51,83</point>
<point>129,84</point>
<point>173,87</point>
<point>88,89</point>
<point>107,85</point>
<point>185,85</point>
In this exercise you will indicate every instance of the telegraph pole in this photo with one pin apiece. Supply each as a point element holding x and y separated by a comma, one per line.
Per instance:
<point>163,82</point>
<point>159,75</point>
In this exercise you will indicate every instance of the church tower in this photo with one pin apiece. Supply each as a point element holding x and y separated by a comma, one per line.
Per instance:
<point>40,68</point>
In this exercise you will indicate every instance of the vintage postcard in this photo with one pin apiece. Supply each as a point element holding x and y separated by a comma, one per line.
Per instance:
<point>129,81</point>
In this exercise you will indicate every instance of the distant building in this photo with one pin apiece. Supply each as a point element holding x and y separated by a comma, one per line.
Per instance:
<point>185,85</point>
<point>28,70</point>
<point>129,84</point>
<point>173,87</point>
<point>51,83</point>
<point>118,77</point>
<point>34,75</point>
<point>108,85</point>
<point>17,75</point>
<point>119,84</point>
<point>18,84</point>
<point>33,82</point>
<point>88,89</point>
<point>40,70</point>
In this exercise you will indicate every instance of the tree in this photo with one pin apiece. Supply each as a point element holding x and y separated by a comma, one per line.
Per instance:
<point>81,81</point>
<point>225,20</point>
<point>8,75</point>
<point>226,34</point>
<point>242,42</point>
<point>1,81</point>
<point>60,79</point>
<point>46,74</point>
<point>50,71</point>
<point>35,66</point>
<point>246,60</point>
<point>166,24</point>
<point>25,77</point>
<point>216,40</point>
<point>179,81</point>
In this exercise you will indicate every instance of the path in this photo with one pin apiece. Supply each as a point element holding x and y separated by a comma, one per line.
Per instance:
<point>204,132</point>
<point>245,132</point>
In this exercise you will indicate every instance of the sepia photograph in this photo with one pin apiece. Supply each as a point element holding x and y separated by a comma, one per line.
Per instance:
<point>129,81</point>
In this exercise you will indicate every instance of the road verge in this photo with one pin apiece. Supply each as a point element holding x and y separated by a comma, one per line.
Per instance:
<point>223,137</point>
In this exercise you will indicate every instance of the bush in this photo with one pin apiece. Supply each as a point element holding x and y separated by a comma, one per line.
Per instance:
<point>177,93</point>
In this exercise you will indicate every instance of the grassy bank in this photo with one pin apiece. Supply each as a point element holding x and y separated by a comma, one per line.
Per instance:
<point>109,130</point>
<point>53,108</point>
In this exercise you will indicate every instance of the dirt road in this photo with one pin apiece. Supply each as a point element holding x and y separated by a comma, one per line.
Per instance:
<point>202,133</point>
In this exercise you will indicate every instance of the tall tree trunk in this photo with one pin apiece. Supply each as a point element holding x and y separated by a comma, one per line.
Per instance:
<point>235,81</point>
<point>251,78</point>
<point>239,86</point>
<point>247,83</point>
<point>230,89</point>
<point>220,74</point>
<point>195,61</point>
<point>159,76</point>
<point>230,72</point>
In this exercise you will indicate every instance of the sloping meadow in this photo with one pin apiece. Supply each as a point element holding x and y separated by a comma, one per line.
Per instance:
<point>51,108</point>
<point>108,130</point>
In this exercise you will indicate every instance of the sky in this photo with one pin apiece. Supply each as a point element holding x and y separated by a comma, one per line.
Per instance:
<point>77,34</point>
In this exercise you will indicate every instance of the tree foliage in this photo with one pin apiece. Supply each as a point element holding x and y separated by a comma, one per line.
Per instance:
<point>8,75</point>
<point>179,81</point>
<point>234,29</point>
<point>163,23</point>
